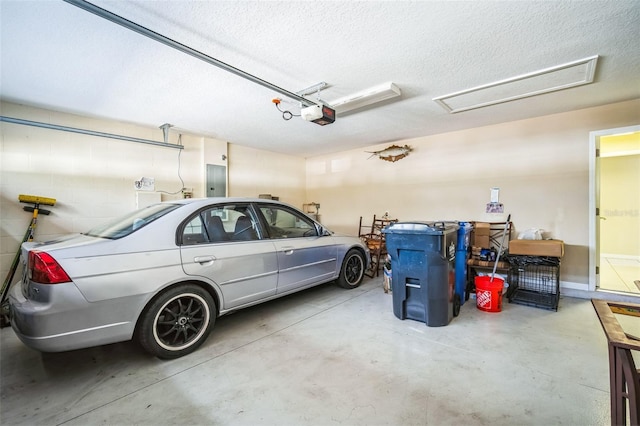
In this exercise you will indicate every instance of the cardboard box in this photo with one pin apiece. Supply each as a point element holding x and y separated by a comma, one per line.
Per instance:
<point>481,241</point>
<point>551,248</point>
<point>482,228</point>
<point>481,232</point>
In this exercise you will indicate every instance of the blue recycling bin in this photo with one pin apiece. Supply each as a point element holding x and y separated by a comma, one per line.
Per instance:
<point>423,264</point>
<point>462,255</point>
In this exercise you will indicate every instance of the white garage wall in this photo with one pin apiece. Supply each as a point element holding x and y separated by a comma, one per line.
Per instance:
<point>253,172</point>
<point>92,178</point>
<point>541,166</point>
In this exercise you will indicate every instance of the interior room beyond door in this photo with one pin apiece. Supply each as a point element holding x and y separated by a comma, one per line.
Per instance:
<point>618,222</point>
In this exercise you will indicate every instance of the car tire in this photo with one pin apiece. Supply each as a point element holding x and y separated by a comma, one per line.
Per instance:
<point>352,271</point>
<point>177,322</point>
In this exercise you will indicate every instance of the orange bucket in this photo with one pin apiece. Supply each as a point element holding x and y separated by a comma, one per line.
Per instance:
<point>489,293</point>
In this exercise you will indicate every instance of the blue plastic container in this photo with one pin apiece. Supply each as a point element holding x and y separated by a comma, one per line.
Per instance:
<point>462,255</point>
<point>422,260</point>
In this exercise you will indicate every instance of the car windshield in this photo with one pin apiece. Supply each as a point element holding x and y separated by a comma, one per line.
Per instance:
<point>125,225</point>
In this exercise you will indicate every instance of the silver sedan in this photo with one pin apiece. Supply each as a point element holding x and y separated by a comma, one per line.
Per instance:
<point>164,273</point>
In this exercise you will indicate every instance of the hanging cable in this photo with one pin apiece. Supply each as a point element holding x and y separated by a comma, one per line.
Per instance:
<point>182,188</point>
<point>286,114</point>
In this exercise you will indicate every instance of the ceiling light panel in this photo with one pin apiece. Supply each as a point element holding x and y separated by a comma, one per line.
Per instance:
<point>572,74</point>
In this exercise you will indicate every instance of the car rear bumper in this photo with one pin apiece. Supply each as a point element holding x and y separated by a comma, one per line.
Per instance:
<point>71,322</point>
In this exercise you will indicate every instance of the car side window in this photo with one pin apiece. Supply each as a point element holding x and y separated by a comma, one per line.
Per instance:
<point>284,223</point>
<point>194,232</point>
<point>221,224</point>
<point>242,224</point>
<point>214,225</point>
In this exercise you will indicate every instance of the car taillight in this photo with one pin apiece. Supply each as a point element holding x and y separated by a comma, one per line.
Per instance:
<point>45,270</point>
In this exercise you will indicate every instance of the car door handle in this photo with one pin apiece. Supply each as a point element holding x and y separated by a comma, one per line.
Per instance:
<point>287,250</point>
<point>204,260</point>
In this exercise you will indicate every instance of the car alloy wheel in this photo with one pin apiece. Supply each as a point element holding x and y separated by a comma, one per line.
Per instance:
<point>177,322</point>
<point>352,270</point>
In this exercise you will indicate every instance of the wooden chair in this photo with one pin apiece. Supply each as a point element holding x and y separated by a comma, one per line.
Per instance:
<point>374,239</point>
<point>624,378</point>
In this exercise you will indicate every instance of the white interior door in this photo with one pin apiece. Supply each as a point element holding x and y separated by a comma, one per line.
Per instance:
<point>597,215</point>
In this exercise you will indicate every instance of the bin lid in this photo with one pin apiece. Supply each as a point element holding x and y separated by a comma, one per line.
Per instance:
<point>427,228</point>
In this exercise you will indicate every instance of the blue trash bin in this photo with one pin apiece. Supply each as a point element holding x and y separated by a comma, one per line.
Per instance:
<point>423,264</point>
<point>462,255</point>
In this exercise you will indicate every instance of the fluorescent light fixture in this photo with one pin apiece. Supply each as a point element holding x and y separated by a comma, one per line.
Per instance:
<point>365,97</point>
<point>571,74</point>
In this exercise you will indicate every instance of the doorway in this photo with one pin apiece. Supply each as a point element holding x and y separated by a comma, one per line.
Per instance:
<point>615,205</point>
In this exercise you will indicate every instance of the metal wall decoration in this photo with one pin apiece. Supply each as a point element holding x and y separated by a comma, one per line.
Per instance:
<point>392,153</point>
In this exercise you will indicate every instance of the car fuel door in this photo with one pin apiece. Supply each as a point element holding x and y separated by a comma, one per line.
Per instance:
<point>223,244</point>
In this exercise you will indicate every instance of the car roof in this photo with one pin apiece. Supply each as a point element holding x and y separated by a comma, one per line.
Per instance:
<point>212,200</point>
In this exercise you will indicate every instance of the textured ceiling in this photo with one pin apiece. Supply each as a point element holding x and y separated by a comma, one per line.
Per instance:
<point>56,55</point>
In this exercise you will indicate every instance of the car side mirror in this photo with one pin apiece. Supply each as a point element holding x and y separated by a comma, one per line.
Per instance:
<point>322,231</point>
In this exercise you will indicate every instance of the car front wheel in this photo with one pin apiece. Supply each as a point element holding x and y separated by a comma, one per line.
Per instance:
<point>352,270</point>
<point>177,322</point>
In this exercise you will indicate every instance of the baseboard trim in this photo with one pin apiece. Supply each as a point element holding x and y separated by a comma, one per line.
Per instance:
<point>620,256</point>
<point>612,296</point>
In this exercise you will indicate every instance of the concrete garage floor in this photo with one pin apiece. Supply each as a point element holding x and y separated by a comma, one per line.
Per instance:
<point>331,356</point>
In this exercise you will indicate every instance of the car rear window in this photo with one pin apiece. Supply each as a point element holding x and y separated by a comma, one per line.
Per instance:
<point>129,223</point>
